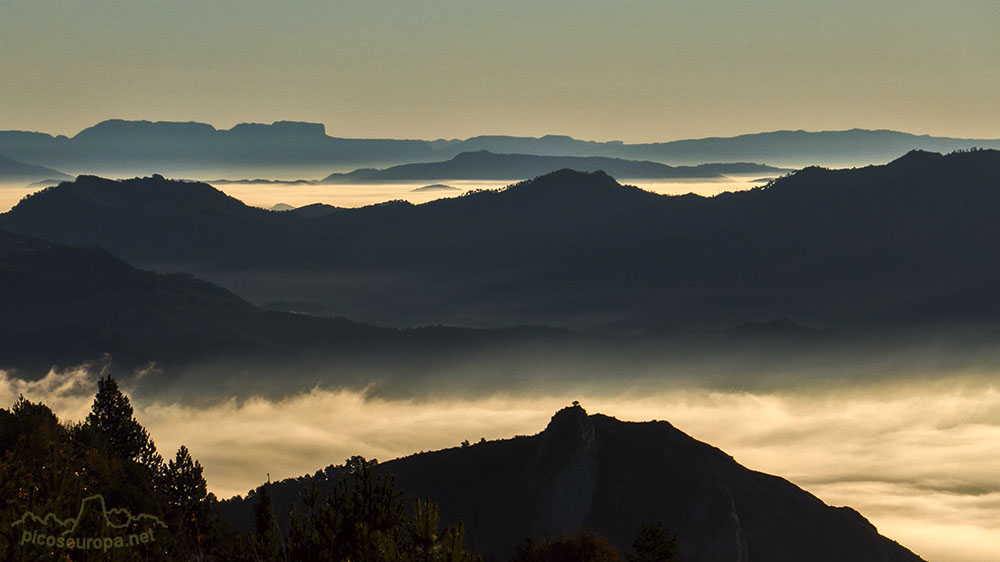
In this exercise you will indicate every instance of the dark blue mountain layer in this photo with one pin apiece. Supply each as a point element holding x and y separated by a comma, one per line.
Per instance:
<point>12,171</point>
<point>484,165</point>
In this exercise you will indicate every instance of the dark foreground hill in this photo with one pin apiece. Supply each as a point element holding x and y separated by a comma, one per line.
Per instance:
<point>611,477</point>
<point>485,165</point>
<point>852,247</point>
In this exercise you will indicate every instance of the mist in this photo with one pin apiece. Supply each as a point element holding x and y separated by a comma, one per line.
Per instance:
<point>12,193</point>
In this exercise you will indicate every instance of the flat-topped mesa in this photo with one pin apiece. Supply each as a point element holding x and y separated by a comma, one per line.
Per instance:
<point>281,128</point>
<point>120,130</point>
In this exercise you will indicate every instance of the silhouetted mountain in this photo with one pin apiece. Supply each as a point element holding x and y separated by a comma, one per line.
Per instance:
<point>182,220</point>
<point>316,210</point>
<point>14,171</point>
<point>436,187</point>
<point>484,165</point>
<point>609,476</point>
<point>826,247</point>
<point>183,148</point>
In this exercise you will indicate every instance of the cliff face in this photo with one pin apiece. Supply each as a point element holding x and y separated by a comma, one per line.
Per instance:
<point>612,477</point>
<point>567,482</point>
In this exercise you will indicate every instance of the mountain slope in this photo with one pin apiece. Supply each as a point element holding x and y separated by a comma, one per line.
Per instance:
<point>14,171</point>
<point>609,476</point>
<point>67,305</point>
<point>64,306</point>
<point>161,219</point>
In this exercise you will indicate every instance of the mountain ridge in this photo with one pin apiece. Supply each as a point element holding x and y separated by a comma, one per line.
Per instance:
<point>486,165</point>
<point>826,247</point>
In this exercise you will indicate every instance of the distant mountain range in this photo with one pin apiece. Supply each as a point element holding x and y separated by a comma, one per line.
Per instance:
<point>12,171</point>
<point>143,147</point>
<point>485,165</point>
<point>579,250</point>
<point>611,477</point>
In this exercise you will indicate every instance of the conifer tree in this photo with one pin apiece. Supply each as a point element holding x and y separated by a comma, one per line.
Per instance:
<point>266,526</point>
<point>112,417</point>
<point>187,499</point>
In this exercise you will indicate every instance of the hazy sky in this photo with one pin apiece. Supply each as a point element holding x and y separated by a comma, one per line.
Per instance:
<point>630,70</point>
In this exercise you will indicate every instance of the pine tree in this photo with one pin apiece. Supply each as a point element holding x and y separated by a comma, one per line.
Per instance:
<point>112,417</point>
<point>186,493</point>
<point>266,526</point>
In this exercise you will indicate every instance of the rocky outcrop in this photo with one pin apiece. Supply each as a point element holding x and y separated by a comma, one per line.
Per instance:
<point>609,476</point>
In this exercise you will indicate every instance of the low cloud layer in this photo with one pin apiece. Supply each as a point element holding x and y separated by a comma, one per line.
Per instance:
<point>917,459</point>
<point>68,393</point>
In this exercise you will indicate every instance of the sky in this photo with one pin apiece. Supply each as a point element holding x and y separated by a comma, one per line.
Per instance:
<point>603,70</point>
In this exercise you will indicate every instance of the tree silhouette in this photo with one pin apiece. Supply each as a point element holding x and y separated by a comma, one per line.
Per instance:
<point>654,543</point>
<point>188,501</point>
<point>266,526</point>
<point>584,546</point>
<point>364,519</point>
<point>112,417</point>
